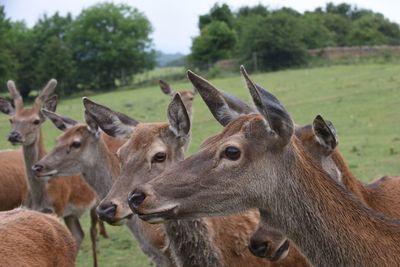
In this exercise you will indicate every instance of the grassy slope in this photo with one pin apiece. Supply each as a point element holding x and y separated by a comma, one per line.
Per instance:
<point>362,101</point>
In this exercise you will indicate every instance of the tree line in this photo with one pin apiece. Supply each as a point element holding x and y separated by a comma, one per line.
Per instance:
<point>103,47</point>
<point>280,38</point>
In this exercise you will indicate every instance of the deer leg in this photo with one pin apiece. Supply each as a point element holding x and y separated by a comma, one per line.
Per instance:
<point>93,234</point>
<point>75,228</point>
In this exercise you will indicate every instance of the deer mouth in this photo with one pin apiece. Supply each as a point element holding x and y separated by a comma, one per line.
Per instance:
<point>281,252</point>
<point>159,216</point>
<point>49,173</point>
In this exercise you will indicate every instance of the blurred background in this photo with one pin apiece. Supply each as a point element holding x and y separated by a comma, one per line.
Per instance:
<point>339,59</point>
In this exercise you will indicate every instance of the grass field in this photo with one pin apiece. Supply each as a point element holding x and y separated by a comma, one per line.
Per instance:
<point>362,101</point>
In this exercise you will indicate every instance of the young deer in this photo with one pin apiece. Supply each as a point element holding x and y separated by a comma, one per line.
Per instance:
<point>151,149</point>
<point>83,148</point>
<point>30,238</point>
<point>257,162</point>
<point>69,197</point>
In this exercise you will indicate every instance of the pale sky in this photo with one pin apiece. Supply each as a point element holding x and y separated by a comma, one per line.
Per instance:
<point>175,21</point>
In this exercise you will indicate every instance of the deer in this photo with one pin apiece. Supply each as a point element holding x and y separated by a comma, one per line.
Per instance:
<point>152,148</point>
<point>258,162</point>
<point>321,141</point>
<point>70,197</point>
<point>90,154</point>
<point>31,238</point>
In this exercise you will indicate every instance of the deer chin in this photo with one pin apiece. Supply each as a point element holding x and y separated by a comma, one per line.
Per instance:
<point>167,212</point>
<point>120,221</point>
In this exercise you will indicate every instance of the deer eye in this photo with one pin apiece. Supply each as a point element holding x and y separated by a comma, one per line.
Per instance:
<point>159,157</point>
<point>232,153</point>
<point>76,144</point>
<point>11,120</point>
<point>36,122</point>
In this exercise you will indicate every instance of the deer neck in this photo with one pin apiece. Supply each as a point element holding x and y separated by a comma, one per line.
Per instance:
<point>37,198</point>
<point>102,170</point>
<point>191,243</point>
<point>329,225</point>
<point>349,181</point>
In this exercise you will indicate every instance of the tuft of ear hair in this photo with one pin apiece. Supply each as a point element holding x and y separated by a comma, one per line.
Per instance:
<point>91,122</point>
<point>325,133</point>
<point>178,117</point>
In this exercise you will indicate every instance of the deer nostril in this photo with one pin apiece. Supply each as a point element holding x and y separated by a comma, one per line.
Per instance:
<point>106,212</point>
<point>14,137</point>
<point>135,199</point>
<point>37,168</point>
<point>258,249</point>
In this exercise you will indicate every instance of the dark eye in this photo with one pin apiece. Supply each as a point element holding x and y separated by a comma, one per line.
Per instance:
<point>76,144</point>
<point>36,122</point>
<point>11,120</point>
<point>232,153</point>
<point>159,157</point>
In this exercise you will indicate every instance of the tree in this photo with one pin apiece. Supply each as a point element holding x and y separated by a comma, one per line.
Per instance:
<point>8,65</point>
<point>51,54</point>
<point>374,29</point>
<point>315,33</point>
<point>221,13</point>
<point>274,40</point>
<point>215,42</point>
<point>110,43</point>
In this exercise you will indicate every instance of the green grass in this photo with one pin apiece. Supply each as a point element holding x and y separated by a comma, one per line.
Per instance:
<point>362,101</point>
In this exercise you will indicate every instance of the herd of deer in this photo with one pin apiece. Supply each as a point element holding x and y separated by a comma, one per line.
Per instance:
<point>263,192</point>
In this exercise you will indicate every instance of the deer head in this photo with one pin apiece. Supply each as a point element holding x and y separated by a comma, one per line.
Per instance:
<point>217,179</point>
<point>26,122</point>
<point>74,150</point>
<point>267,242</point>
<point>187,96</point>
<point>151,148</point>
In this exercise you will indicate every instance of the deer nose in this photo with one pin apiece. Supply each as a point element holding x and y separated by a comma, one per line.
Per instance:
<point>135,198</point>
<point>37,168</point>
<point>258,249</point>
<point>14,137</point>
<point>106,211</point>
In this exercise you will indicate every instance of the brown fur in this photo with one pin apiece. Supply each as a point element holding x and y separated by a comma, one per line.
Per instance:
<point>13,184</point>
<point>33,239</point>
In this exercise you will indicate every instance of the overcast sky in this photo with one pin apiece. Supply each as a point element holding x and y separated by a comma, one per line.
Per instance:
<point>175,21</point>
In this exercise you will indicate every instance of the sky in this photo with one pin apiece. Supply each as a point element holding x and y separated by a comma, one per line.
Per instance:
<point>175,21</point>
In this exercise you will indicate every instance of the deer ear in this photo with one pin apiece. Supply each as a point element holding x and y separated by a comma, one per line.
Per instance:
<point>62,123</point>
<point>111,122</point>
<point>178,117</point>
<point>325,133</point>
<point>6,107</point>
<point>214,99</point>
<point>273,111</point>
<point>166,88</point>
